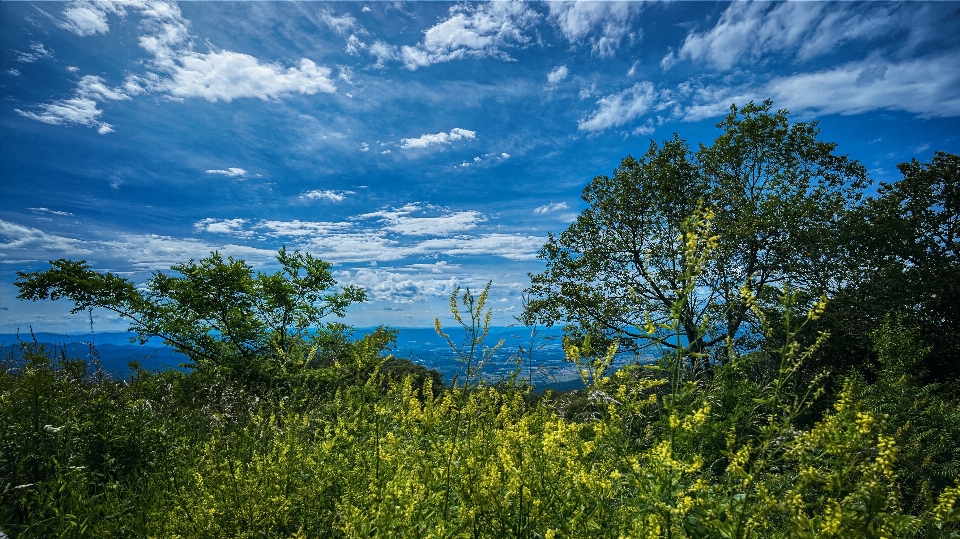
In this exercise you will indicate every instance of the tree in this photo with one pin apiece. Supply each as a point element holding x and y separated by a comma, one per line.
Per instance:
<point>217,312</point>
<point>902,251</point>
<point>776,194</point>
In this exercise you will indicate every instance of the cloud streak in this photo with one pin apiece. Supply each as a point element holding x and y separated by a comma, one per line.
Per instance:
<point>438,139</point>
<point>920,86</point>
<point>142,252</point>
<point>81,109</point>
<point>747,32</point>
<point>551,207</point>
<point>232,172</point>
<point>620,108</point>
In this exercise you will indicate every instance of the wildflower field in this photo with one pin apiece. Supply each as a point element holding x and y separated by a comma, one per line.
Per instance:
<point>364,446</point>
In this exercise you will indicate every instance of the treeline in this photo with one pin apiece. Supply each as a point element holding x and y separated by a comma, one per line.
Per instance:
<point>806,381</point>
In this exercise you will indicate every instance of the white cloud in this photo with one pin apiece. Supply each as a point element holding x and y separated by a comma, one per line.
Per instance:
<point>93,86</point>
<point>749,31</point>
<point>142,251</point>
<point>436,226</point>
<point>81,109</point>
<point>414,230</point>
<point>221,75</point>
<point>341,24</point>
<point>77,110</point>
<point>617,109</point>
<point>232,172</point>
<point>551,207</point>
<point>389,234</point>
<point>85,19</point>
<point>509,246</point>
<point>354,45</point>
<point>34,244</point>
<point>472,31</point>
<point>557,74</point>
<point>383,52</point>
<point>438,139</point>
<point>326,194</point>
<point>48,210</point>
<point>436,267</point>
<point>155,252</point>
<point>228,75</point>
<point>176,70</point>
<point>356,246</point>
<point>364,147</point>
<point>383,285</point>
<point>603,24</point>
<point>491,157</point>
<point>400,221</point>
<point>13,72</point>
<point>233,227</point>
<point>39,53</point>
<point>297,228</point>
<point>927,86</point>
<point>645,129</point>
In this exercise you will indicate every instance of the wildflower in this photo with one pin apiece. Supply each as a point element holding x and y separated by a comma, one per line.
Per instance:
<point>819,306</point>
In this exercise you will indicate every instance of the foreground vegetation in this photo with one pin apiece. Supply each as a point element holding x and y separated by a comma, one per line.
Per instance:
<point>357,448</point>
<point>814,395</point>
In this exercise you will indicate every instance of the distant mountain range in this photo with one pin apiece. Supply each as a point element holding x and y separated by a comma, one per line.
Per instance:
<point>420,345</point>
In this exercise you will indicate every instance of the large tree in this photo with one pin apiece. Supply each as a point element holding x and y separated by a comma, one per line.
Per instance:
<point>776,193</point>
<point>217,312</point>
<point>902,251</point>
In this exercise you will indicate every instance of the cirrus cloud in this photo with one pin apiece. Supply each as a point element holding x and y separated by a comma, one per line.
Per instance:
<point>603,24</point>
<point>617,109</point>
<point>81,109</point>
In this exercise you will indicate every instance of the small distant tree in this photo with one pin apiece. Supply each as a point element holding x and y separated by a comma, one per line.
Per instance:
<point>776,193</point>
<point>218,312</point>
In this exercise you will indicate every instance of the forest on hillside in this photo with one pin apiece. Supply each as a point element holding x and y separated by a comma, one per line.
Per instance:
<point>805,325</point>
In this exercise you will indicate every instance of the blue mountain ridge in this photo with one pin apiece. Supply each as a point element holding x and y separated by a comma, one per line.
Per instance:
<point>420,345</point>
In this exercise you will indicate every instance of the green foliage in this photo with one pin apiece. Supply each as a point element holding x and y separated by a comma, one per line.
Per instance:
<point>217,312</point>
<point>164,456</point>
<point>920,415</point>
<point>902,252</point>
<point>777,193</point>
<point>80,452</point>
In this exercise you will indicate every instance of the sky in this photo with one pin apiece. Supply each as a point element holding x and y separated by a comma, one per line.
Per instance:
<point>416,146</point>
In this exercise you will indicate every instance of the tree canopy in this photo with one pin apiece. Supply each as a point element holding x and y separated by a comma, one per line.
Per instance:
<point>901,251</point>
<point>776,193</point>
<point>217,311</point>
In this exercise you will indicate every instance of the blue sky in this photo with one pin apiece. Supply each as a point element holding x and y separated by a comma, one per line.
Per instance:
<point>417,146</point>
